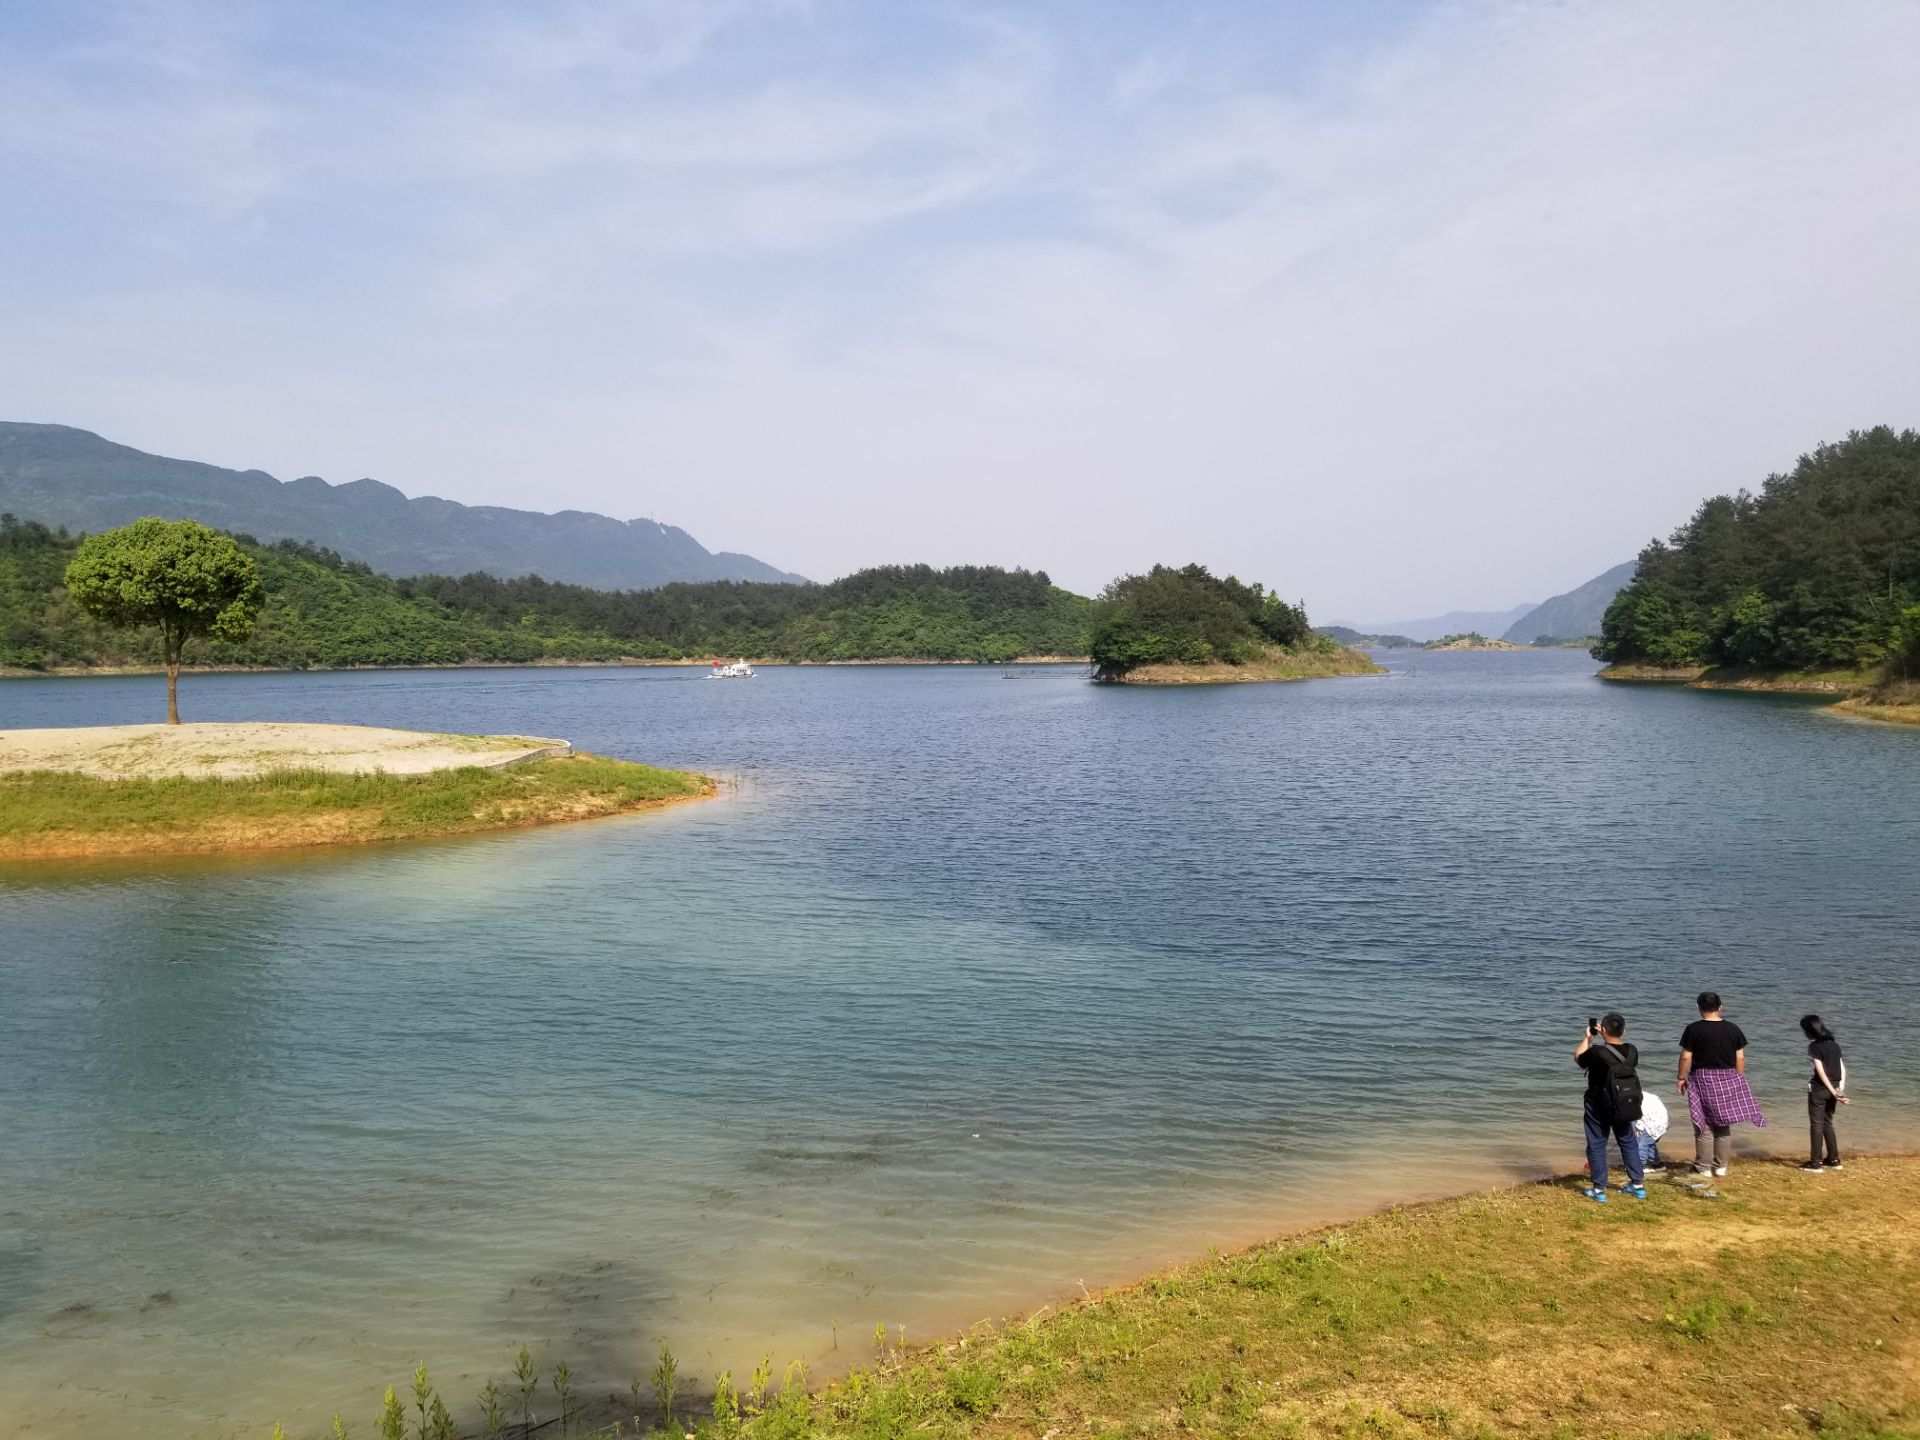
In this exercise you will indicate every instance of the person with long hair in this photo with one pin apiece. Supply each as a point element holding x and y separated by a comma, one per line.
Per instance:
<point>1713,1077</point>
<point>1826,1091</point>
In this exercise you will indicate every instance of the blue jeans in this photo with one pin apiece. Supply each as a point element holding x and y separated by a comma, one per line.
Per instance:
<point>1622,1130</point>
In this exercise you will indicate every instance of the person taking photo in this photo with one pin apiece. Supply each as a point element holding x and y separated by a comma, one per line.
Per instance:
<point>1613,1103</point>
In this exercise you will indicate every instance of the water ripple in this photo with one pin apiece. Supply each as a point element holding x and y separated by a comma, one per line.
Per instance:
<point>968,993</point>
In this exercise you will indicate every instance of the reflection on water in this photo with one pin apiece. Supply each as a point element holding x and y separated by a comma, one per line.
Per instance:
<point>969,993</point>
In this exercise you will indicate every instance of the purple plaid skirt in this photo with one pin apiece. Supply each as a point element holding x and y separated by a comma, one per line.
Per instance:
<point>1721,1097</point>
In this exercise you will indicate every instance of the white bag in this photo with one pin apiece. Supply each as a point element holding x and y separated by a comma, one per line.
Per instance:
<point>1652,1123</point>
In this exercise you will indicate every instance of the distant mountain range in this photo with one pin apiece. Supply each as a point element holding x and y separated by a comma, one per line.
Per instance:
<point>1565,617</point>
<point>1574,614</point>
<point>1438,627</point>
<point>62,476</point>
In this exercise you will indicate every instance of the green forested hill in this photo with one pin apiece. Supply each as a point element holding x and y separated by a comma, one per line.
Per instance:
<point>1820,570</point>
<point>968,612</point>
<point>325,611</point>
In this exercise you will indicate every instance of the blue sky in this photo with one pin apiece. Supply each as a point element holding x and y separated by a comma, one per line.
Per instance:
<point>1396,307</point>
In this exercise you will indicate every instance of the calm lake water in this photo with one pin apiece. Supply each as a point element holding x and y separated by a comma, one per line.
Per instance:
<point>970,991</point>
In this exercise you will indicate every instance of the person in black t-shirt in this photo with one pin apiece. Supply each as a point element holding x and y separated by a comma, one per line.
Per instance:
<point>1604,1054</point>
<point>1826,1089</point>
<point>1712,1043</point>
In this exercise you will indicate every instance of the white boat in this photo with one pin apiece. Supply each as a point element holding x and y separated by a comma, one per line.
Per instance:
<point>738,670</point>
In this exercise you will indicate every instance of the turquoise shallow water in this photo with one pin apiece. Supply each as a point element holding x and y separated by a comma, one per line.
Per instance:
<point>969,992</point>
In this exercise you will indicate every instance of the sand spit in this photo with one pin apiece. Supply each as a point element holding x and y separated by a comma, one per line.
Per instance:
<point>129,752</point>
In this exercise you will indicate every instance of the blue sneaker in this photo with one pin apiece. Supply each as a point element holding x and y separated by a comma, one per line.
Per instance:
<point>1599,1197</point>
<point>1638,1192</point>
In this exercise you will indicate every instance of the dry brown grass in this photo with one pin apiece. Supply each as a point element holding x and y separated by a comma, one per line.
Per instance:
<point>1894,701</point>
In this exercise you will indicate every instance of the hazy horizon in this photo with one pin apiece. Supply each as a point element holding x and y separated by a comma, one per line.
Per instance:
<point>1402,309</point>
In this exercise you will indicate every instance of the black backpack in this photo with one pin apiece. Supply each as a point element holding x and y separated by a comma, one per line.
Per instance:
<point>1624,1095</point>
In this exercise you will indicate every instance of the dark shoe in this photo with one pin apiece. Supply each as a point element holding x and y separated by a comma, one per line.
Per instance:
<point>1815,1169</point>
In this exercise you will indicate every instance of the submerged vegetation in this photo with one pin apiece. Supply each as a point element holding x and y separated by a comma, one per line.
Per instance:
<point>1819,571</point>
<point>51,814</point>
<point>1168,619</point>
<point>322,610</point>
<point>1782,1309</point>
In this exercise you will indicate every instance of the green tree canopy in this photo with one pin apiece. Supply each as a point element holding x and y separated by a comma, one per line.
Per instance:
<point>176,575</point>
<point>1817,571</point>
<point>1906,657</point>
<point>324,610</point>
<point>1190,616</point>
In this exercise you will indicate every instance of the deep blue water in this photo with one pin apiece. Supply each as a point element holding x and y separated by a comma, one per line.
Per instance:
<point>972,989</point>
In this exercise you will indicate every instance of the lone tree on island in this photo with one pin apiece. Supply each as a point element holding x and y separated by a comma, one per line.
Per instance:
<point>176,574</point>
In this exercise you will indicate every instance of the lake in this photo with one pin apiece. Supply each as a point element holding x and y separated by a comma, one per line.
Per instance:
<point>970,991</point>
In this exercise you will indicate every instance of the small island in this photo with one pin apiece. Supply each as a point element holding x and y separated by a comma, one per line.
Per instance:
<point>1471,640</point>
<point>1191,627</point>
<point>122,790</point>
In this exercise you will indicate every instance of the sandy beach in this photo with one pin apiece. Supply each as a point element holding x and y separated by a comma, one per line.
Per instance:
<point>130,752</point>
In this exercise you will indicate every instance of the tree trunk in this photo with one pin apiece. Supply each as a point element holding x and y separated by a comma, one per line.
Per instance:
<point>172,642</point>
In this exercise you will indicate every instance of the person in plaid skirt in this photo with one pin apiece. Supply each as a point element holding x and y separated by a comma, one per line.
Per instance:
<point>1713,1078</point>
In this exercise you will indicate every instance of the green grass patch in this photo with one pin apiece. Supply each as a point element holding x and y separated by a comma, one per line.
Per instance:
<point>53,813</point>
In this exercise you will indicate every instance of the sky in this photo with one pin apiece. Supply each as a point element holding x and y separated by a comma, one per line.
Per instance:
<point>1394,307</point>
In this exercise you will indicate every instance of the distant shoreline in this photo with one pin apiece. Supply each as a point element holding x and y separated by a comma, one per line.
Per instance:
<point>1455,647</point>
<point>629,662</point>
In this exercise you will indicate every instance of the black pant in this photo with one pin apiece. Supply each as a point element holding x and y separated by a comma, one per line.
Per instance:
<point>1820,1107</point>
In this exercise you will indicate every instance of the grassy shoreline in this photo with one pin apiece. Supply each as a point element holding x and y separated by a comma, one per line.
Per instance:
<point>1785,1305</point>
<point>51,815</point>
<point>1473,1316</point>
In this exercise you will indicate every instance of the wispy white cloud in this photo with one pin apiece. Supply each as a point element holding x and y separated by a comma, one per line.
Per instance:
<point>1458,314</point>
